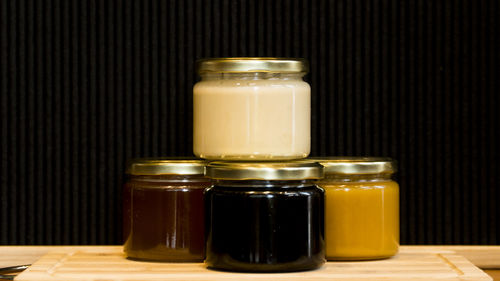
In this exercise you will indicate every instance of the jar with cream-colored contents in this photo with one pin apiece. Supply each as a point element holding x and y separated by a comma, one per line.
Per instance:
<point>251,109</point>
<point>361,208</point>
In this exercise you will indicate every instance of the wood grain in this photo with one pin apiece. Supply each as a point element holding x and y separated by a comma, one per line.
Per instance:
<point>109,263</point>
<point>484,257</point>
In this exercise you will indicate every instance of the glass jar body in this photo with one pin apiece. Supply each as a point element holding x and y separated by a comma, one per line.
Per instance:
<point>251,116</point>
<point>361,217</point>
<point>164,217</point>
<point>264,226</point>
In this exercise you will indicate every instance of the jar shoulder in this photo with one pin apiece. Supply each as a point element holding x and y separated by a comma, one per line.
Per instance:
<point>245,83</point>
<point>383,184</point>
<point>250,191</point>
<point>159,185</point>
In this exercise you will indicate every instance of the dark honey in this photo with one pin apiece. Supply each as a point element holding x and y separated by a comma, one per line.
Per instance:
<point>164,217</point>
<point>265,226</point>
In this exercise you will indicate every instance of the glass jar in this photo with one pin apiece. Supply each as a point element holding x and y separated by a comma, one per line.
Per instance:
<point>164,210</point>
<point>251,109</point>
<point>264,217</point>
<point>361,208</point>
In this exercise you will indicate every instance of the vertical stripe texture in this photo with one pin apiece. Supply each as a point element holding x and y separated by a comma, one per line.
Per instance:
<point>86,85</point>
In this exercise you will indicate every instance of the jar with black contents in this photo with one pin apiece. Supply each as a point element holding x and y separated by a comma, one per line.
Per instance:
<point>264,216</point>
<point>164,210</point>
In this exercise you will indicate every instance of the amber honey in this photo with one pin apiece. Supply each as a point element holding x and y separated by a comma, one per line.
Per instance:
<point>361,209</point>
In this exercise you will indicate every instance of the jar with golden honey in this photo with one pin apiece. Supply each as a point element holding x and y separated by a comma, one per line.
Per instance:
<point>361,208</point>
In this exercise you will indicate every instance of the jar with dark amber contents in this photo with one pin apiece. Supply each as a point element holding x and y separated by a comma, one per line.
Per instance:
<point>164,210</point>
<point>264,216</point>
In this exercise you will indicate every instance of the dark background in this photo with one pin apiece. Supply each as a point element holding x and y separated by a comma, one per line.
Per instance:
<point>86,85</point>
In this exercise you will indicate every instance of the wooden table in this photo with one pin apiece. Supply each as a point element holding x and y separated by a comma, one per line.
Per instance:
<point>484,257</point>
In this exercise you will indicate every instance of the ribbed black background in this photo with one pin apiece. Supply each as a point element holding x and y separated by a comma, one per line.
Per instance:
<point>86,85</point>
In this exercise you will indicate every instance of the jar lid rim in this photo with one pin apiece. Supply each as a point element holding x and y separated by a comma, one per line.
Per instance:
<point>166,166</point>
<point>275,170</point>
<point>252,64</point>
<point>357,165</point>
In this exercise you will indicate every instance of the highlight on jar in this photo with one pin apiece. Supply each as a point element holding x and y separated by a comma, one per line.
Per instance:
<point>361,208</point>
<point>251,109</point>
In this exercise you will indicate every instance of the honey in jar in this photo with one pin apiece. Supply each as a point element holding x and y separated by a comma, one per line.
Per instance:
<point>251,109</point>
<point>264,216</point>
<point>361,208</point>
<point>164,210</point>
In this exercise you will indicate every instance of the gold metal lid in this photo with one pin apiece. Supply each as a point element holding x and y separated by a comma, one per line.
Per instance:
<point>165,166</point>
<point>252,64</point>
<point>284,170</point>
<point>357,165</point>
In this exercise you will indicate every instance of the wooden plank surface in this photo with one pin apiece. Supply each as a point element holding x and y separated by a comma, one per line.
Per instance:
<point>495,274</point>
<point>18,255</point>
<point>109,263</point>
<point>484,257</point>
